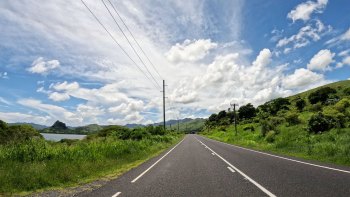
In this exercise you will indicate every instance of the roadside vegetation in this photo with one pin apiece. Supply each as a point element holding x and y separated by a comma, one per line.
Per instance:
<point>311,125</point>
<point>29,163</point>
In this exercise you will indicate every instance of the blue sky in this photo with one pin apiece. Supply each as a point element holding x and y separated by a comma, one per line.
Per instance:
<point>57,63</point>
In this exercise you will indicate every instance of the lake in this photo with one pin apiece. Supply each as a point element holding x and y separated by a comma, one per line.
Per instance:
<point>58,137</point>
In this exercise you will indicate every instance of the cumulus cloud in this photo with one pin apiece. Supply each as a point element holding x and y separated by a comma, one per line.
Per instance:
<point>13,117</point>
<point>190,50</point>
<point>301,78</point>
<point>55,96</point>
<point>346,60</point>
<point>321,60</point>
<point>304,10</point>
<point>56,112</point>
<point>227,80</point>
<point>306,34</point>
<point>40,66</point>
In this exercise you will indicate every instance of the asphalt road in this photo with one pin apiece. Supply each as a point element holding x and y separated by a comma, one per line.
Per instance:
<point>198,166</point>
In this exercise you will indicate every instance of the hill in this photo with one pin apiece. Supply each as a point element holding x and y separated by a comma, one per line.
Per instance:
<point>314,124</point>
<point>35,126</point>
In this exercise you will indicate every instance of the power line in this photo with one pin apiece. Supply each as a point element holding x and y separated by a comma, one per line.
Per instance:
<point>130,43</point>
<point>132,35</point>
<point>118,43</point>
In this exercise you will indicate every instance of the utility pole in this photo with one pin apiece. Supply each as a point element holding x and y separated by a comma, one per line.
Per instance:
<point>234,113</point>
<point>178,126</point>
<point>164,105</point>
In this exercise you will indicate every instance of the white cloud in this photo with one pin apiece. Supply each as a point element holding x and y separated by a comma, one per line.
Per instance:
<point>56,112</point>
<point>307,34</point>
<point>339,39</point>
<point>304,10</point>
<point>55,96</point>
<point>13,117</point>
<point>346,60</point>
<point>4,101</point>
<point>190,50</point>
<point>321,60</point>
<point>3,75</point>
<point>65,86</point>
<point>346,35</point>
<point>301,78</point>
<point>40,66</point>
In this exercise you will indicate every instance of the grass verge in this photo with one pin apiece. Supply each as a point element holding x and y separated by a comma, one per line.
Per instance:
<point>330,147</point>
<point>38,165</point>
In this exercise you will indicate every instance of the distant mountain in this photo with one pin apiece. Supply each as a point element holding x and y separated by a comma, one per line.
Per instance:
<point>185,125</point>
<point>35,126</point>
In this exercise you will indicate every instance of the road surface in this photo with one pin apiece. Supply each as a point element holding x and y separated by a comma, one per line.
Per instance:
<point>199,166</point>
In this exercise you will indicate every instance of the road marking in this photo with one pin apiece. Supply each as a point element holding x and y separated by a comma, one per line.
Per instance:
<point>116,194</point>
<point>302,162</point>
<point>213,153</point>
<point>133,181</point>
<point>242,173</point>
<point>232,170</point>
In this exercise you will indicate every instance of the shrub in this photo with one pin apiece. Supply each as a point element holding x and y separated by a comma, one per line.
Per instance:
<point>292,118</point>
<point>275,121</point>
<point>17,133</point>
<point>316,107</point>
<point>246,128</point>
<point>347,91</point>
<point>270,136</point>
<point>342,105</point>
<point>321,95</point>
<point>300,104</point>
<point>247,111</point>
<point>265,127</point>
<point>319,123</point>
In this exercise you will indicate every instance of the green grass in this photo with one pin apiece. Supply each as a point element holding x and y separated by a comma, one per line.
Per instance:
<point>37,164</point>
<point>331,147</point>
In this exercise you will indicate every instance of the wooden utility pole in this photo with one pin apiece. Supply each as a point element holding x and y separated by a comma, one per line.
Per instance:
<point>164,105</point>
<point>234,113</point>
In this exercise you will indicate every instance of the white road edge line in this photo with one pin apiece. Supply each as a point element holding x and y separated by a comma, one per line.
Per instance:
<point>232,170</point>
<point>302,162</point>
<point>242,173</point>
<point>133,181</point>
<point>116,194</point>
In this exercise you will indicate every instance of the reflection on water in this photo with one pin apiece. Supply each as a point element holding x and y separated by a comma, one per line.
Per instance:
<point>58,137</point>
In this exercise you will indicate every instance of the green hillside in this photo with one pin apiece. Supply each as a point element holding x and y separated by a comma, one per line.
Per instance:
<point>340,86</point>
<point>313,124</point>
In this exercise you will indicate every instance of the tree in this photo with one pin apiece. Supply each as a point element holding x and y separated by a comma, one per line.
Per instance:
<point>272,107</point>
<point>247,111</point>
<point>300,104</point>
<point>213,118</point>
<point>321,95</point>
<point>221,115</point>
<point>319,123</point>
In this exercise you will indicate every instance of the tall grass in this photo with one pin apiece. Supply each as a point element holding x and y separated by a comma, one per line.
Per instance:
<point>332,146</point>
<point>37,164</point>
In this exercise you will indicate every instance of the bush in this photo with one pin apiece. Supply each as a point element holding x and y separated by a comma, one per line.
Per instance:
<point>316,107</point>
<point>246,128</point>
<point>265,127</point>
<point>319,123</point>
<point>321,95</point>
<point>342,105</point>
<point>347,91</point>
<point>270,136</point>
<point>292,118</point>
<point>300,104</point>
<point>247,111</point>
<point>275,121</point>
<point>17,133</point>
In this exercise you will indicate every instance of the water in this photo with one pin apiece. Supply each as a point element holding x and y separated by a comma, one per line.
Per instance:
<point>58,137</point>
